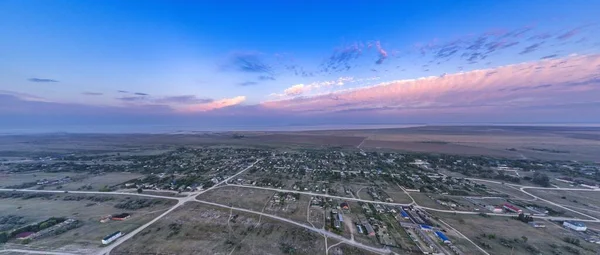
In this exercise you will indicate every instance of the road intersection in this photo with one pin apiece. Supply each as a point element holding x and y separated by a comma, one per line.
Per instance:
<point>192,197</point>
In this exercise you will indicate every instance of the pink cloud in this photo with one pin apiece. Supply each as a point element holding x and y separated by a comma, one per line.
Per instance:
<point>217,104</point>
<point>382,53</point>
<point>300,89</point>
<point>520,85</point>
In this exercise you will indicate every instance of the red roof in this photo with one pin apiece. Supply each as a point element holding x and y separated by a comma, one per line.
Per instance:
<point>512,207</point>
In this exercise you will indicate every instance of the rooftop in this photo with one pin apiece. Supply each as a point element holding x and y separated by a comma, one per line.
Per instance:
<point>576,223</point>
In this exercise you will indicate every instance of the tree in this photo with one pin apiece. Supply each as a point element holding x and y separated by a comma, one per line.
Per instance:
<point>541,179</point>
<point>3,237</point>
<point>524,239</point>
<point>140,190</point>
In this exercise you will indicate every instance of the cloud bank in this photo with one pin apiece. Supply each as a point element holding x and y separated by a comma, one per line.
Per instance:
<point>570,80</point>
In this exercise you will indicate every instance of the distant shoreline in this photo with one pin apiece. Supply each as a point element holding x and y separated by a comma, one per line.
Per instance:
<point>164,129</point>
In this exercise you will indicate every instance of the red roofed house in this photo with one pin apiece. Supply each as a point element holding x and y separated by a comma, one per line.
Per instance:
<point>512,208</point>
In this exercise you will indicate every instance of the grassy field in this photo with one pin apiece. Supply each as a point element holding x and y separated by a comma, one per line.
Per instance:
<point>505,236</point>
<point>423,200</point>
<point>9,179</point>
<point>253,199</point>
<point>587,202</point>
<point>201,229</point>
<point>99,181</point>
<point>85,239</point>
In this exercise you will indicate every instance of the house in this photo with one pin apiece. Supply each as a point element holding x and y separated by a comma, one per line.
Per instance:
<point>575,225</point>
<point>345,206</point>
<point>110,238</point>
<point>511,208</point>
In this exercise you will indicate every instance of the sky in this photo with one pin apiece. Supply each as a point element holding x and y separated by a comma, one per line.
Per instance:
<point>199,64</point>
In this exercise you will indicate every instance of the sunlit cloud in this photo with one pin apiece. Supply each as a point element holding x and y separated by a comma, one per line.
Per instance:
<point>213,105</point>
<point>573,79</point>
<point>301,89</point>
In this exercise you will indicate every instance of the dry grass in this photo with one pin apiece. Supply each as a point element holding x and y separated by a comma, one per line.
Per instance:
<point>85,239</point>
<point>506,228</point>
<point>204,229</point>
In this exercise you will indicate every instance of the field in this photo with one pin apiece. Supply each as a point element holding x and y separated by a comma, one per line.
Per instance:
<point>546,143</point>
<point>200,229</point>
<point>99,181</point>
<point>423,200</point>
<point>505,235</point>
<point>253,199</point>
<point>84,239</point>
<point>587,202</point>
<point>10,179</point>
<point>260,200</point>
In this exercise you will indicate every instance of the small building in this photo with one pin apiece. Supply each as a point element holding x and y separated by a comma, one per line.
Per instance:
<point>442,237</point>
<point>494,209</point>
<point>359,228</point>
<point>24,235</point>
<point>512,208</point>
<point>110,238</point>
<point>404,214</point>
<point>537,224</point>
<point>575,225</point>
<point>122,216</point>
<point>426,227</point>
<point>340,217</point>
<point>345,206</point>
<point>105,219</point>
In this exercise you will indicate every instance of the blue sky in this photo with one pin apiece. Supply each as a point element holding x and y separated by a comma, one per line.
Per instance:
<point>192,61</point>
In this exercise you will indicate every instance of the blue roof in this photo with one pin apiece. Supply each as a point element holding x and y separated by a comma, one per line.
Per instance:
<point>425,226</point>
<point>403,213</point>
<point>441,236</point>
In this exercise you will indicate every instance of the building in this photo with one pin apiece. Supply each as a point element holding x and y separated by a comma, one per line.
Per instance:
<point>110,238</point>
<point>536,211</point>
<point>536,224</point>
<point>360,229</point>
<point>336,224</point>
<point>442,237</point>
<point>512,208</point>
<point>370,230</point>
<point>426,227</point>
<point>575,225</point>
<point>105,219</point>
<point>122,216</point>
<point>345,206</point>
<point>340,217</point>
<point>494,209</point>
<point>404,214</point>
